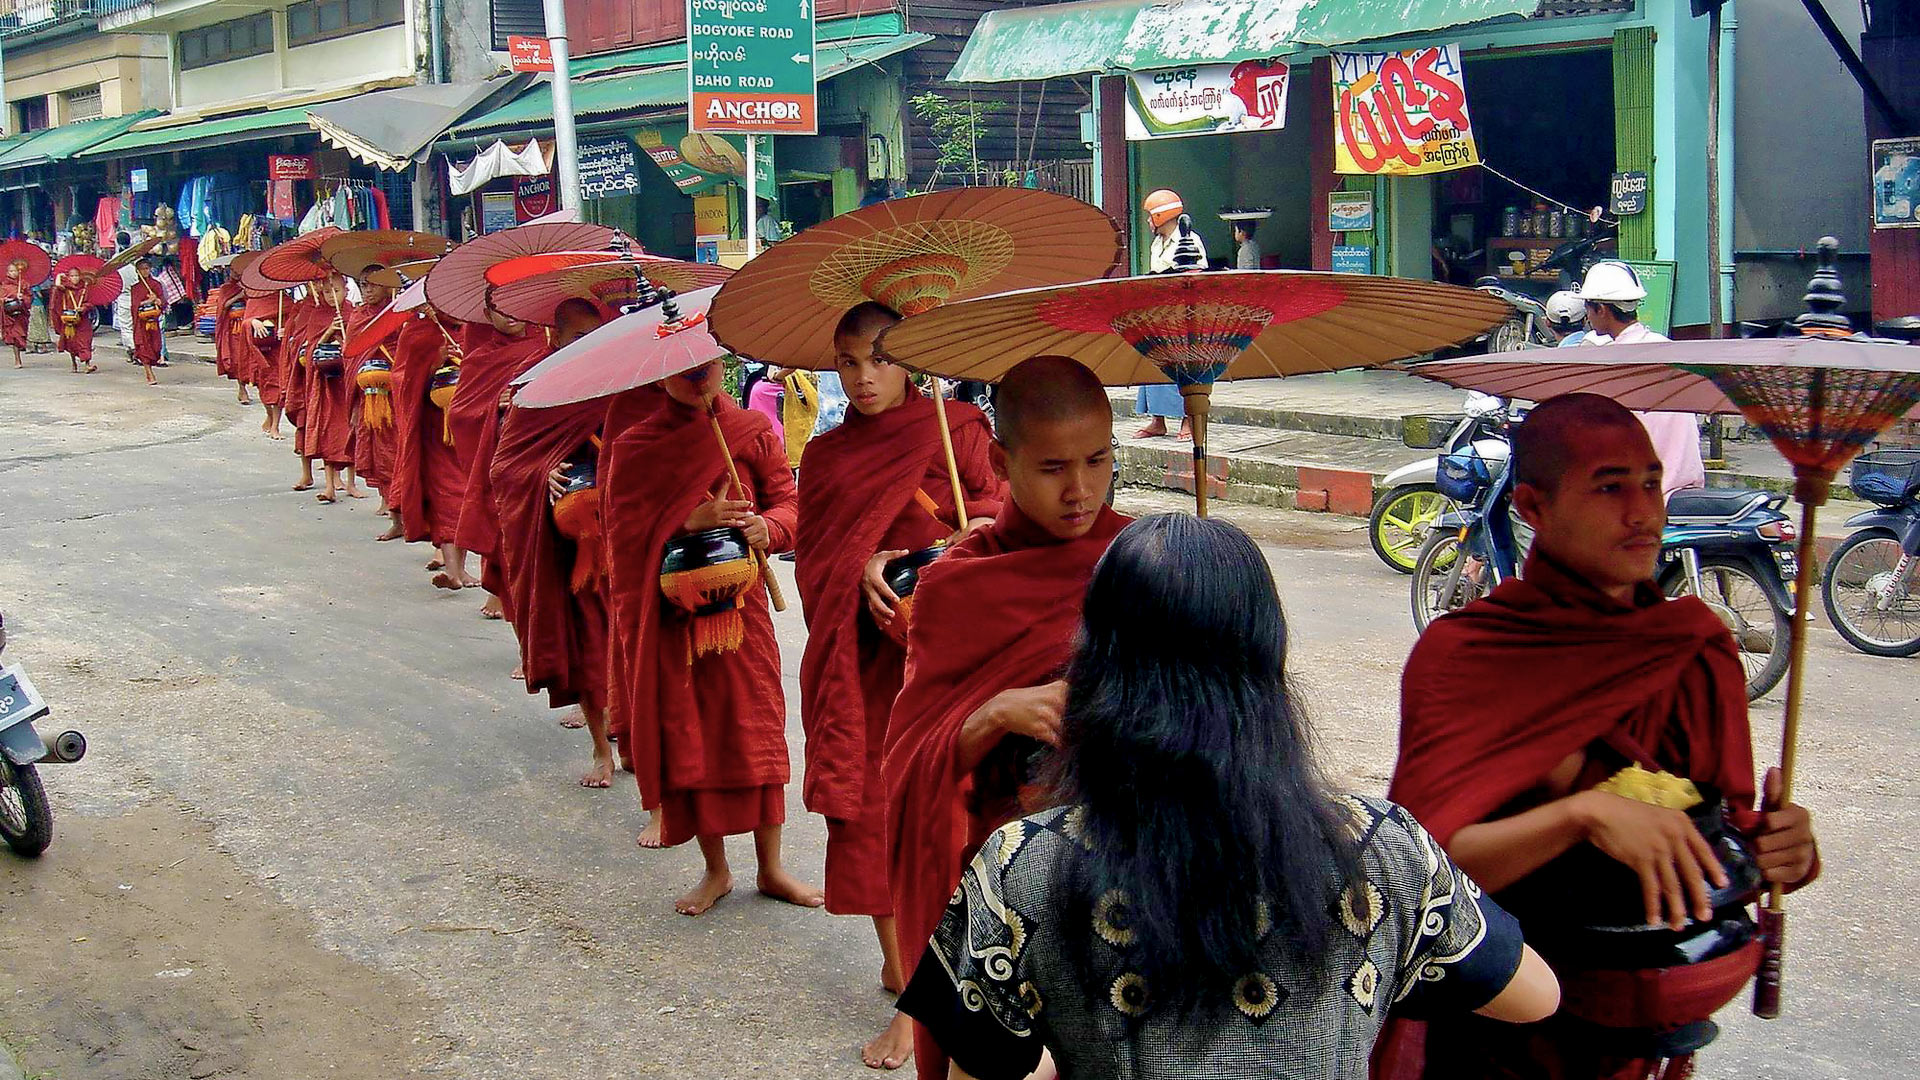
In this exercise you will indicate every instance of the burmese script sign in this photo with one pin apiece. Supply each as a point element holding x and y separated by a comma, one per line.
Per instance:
<point>1401,113</point>
<point>750,67</point>
<point>1207,99</point>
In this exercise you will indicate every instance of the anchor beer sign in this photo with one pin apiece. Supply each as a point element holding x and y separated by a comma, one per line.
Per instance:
<point>1401,113</point>
<point>1207,99</point>
<point>750,67</point>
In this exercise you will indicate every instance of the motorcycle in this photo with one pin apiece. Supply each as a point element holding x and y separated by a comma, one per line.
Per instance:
<point>1527,296</point>
<point>1410,500</point>
<point>1871,586</point>
<point>26,817</point>
<point>1733,549</point>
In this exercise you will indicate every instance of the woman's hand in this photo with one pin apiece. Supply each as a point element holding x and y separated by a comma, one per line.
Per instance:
<point>873,585</point>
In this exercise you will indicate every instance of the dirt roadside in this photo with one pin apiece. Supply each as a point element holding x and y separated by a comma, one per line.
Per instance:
<point>136,948</point>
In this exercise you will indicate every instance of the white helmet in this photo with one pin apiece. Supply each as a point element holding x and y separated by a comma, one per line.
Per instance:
<point>1613,282</point>
<point>1565,311</point>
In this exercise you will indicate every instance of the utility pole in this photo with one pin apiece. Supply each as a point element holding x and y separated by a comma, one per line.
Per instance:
<point>1716,323</point>
<point>566,152</point>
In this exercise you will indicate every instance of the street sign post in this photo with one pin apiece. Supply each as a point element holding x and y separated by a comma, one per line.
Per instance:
<point>750,72</point>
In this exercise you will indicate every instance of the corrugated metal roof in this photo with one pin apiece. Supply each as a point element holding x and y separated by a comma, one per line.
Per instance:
<point>67,140</point>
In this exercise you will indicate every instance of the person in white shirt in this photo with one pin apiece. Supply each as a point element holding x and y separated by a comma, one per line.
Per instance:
<point>1612,293</point>
<point>1247,253</point>
<point>1176,248</point>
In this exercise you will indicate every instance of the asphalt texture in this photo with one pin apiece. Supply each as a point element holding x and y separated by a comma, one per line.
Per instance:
<point>313,789</point>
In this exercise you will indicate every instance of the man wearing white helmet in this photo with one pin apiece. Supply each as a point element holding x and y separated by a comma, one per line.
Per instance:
<point>1612,294</point>
<point>1567,317</point>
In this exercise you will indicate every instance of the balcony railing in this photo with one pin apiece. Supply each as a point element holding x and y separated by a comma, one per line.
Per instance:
<point>30,16</point>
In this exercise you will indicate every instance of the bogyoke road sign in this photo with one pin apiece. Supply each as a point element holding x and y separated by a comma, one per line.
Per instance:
<point>750,67</point>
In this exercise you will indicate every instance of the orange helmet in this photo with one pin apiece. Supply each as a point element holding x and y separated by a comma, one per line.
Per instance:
<point>1162,206</point>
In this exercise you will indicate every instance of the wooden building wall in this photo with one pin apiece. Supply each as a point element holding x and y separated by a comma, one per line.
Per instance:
<point>597,26</point>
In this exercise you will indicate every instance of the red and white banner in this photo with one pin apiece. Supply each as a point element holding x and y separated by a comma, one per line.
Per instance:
<point>529,53</point>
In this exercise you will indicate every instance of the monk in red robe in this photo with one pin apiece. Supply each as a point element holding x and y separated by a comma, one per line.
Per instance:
<point>626,606</point>
<point>709,727</point>
<point>16,308</point>
<point>373,437</point>
<point>73,318</point>
<point>428,483</point>
<point>260,350</point>
<point>148,306</point>
<point>229,338</point>
<point>1513,709</point>
<point>496,354</point>
<point>555,570</point>
<point>330,396</point>
<point>307,318</point>
<point>993,626</point>
<point>875,488</point>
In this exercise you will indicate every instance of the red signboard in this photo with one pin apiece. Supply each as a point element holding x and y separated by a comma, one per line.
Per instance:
<point>289,166</point>
<point>533,198</point>
<point>529,53</point>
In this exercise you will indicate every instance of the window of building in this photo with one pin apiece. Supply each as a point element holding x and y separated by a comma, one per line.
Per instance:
<point>323,20</point>
<point>30,114</point>
<point>82,104</point>
<point>523,17</point>
<point>235,39</point>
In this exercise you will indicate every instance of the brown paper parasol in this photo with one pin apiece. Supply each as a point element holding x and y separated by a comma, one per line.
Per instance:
<point>911,255</point>
<point>354,253</point>
<point>401,275</point>
<point>612,283</point>
<point>1194,329</point>
<point>1819,398</point>
<point>298,260</point>
<point>457,285</point>
<point>125,256</point>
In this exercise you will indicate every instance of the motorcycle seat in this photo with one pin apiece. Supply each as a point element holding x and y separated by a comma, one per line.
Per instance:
<point>1701,506</point>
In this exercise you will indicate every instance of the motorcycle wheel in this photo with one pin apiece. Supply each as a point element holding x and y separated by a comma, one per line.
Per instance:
<point>1858,575</point>
<point>1441,582</point>
<point>26,818</point>
<point>1400,521</point>
<point>1509,336</point>
<point>1762,631</point>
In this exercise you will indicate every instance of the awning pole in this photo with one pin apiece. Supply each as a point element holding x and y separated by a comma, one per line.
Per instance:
<point>753,196</point>
<point>565,150</point>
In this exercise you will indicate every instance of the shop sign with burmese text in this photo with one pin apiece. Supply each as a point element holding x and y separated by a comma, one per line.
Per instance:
<point>750,67</point>
<point>1207,99</point>
<point>608,167</point>
<point>1627,194</point>
<point>1401,113</point>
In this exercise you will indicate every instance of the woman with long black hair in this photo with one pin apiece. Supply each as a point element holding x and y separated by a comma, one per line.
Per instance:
<point>1199,902</point>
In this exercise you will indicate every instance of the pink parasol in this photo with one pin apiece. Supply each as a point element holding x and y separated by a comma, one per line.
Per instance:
<point>644,347</point>
<point>106,285</point>
<point>611,282</point>
<point>39,264</point>
<point>457,285</point>
<point>298,260</point>
<point>1194,329</point>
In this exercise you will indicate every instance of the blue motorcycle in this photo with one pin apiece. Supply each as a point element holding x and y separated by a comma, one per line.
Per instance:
<point>1733,549</point>
<point>1872,581</point>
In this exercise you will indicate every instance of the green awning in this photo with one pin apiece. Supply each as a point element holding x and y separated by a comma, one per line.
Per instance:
<point>246,127</point>
<point>63,142</point>
<point>651,90</point>
<point>1018,44</point>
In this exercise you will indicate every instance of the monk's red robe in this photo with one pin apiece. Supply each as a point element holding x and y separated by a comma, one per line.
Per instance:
<point>373,441</point>
<point>262,357</point>
<point>305,321</point>
<point>859,499</point>
<point>330,398</point>
<point>708,737</point>
<point>997,612</point>
<point>223,328</point>
<point>1499,694</point>
<point>14,293</point>
<point>492,364</point>
<point>148,307</point>
<point>555,588</point>
<point>78,341</point>
<point>624,605</point>
<point>428,481</point>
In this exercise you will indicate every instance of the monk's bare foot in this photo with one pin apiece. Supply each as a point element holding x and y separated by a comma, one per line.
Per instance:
<point>574,720</point>
<point>781,885</point>
<point>492,612</point>
<point>649,836</point>
<point>304,485</point>
<point>277,435</point>
<point>706,894</point>
<point>436,563</point>
<point>519,672</point>
<point>394,532</point>
<point>91,369</point>
<point>891,1048</point>
<point>356,493</point>
<point>600,776</point>
<point>444,580</point>
<point>327,497</point>
<point>246,401</point>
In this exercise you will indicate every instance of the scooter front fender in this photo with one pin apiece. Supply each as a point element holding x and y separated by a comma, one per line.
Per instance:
<point>1418,472</point>
<point>1903,523</point>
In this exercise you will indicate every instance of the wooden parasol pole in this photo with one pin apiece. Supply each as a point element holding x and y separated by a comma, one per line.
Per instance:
<point>946,447</point>
<point>740,491</point>
<point>1198,396</point>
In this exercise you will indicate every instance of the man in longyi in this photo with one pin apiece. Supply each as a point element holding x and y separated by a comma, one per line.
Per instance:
<point>707,714</point>
<point>874,488</point>
<point>1518,711</point>
<point>992,629</point>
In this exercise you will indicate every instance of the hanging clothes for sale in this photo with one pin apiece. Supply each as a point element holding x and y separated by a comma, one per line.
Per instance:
<point>281,201</point>
<point>381,219</point>
<point>106,216</point>
<point>172,288</point>
<point>227,198</point>
<point>190,267</point>
<point>216,244</point>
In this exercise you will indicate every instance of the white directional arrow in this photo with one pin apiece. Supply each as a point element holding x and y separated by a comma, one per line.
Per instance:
<point>803,8</point>
<point>801,58</point>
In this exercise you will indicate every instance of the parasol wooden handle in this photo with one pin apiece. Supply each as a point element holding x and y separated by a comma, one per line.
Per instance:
<point>1197,397</point>
<point>946,447</point>
<point>739,489</point>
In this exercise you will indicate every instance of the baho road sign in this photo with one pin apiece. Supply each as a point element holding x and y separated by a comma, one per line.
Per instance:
<point>750,67</point>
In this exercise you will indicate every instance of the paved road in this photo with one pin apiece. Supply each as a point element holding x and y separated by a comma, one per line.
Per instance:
<point>321,833</point>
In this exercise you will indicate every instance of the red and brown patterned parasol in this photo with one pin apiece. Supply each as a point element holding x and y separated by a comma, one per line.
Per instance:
<point>402,275</point>
<point>1194,329</point>
<point>533,295</point>
<point>39,264</point>
<point>356,253</point>
<point>298,260</point>
<point>106,285</point>
<point>457,285</point>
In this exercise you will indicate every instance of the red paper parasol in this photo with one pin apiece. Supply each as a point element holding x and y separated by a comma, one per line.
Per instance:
<point>1193,329</point>
<point>457,285</point>
<point>106,283</point>
<point>1820,399</point>
<point>355,253</point>
<point>39,264</point>
<point>643,347</point>
<point>610,282</point>
<point>298,260</point>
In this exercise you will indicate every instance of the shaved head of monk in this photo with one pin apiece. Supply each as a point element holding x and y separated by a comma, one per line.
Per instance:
<point>574,319</point>
<point>1587,478</point>
<point>697,387</point>
<point>372,292</point>
<point>1053,443</point>
<point>872,384</point>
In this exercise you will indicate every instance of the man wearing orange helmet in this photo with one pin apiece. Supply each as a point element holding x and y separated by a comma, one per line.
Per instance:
<point>1176,248</point>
